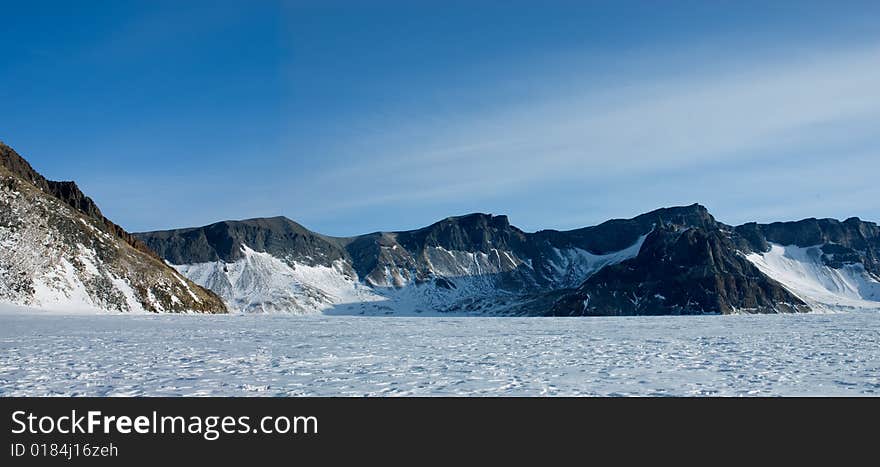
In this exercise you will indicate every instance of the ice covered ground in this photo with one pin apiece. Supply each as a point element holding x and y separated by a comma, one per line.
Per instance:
<point>45,354</point>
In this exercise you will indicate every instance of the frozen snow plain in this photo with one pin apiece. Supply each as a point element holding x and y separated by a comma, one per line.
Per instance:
<point>51,354</point>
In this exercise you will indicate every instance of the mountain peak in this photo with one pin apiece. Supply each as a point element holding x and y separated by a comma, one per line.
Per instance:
<point>67,192</point>
<point>223,240</point>
<point>21,168</point>
<point>694,215</point>
<point>478,217</point>
<point>53,227</point>
<point>470,232</point>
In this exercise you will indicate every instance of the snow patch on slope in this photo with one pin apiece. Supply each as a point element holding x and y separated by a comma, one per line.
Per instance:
<point>60,289</point>
<point>260,282</point>
<point>53,258</point>
<point>824,288</point>
<point>63,287</point>
<point>573,265</point>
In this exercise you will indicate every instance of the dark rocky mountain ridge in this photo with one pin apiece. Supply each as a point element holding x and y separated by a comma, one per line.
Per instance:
<point>680,271</point>
<point>689,263</point>
<point>66,191</point>
<point>702,269</point>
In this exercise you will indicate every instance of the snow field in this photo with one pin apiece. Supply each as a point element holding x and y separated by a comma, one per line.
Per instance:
<point>52,354</point>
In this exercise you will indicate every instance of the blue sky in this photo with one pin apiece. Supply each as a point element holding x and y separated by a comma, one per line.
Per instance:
<point>351,117</point>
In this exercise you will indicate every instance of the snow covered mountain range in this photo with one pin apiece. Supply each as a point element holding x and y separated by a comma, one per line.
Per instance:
<point>58,251</point>
<point>477,263</point>
<point>676,260</point>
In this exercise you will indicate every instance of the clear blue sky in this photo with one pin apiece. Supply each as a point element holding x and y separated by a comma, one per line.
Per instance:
<point>352,117</point>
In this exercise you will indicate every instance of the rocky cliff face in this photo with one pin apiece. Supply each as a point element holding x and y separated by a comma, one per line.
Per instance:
<point>617,234</point>
<point>710,267</point>
<point>680,270</point>
<point>58,251</point>
<point>223,241</point>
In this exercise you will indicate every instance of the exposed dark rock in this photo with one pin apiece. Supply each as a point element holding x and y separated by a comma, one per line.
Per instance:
<point>680,270</point>
<point>278,236</point>
<point>617,234</point>
<point>474,232</point>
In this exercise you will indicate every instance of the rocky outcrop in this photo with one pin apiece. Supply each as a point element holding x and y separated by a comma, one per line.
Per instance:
<point>278,236</point>
<point>709,267</point>
<point>67,192</point>
<point>680,270</point>
<point>617,234</point>
<point>58,251</point>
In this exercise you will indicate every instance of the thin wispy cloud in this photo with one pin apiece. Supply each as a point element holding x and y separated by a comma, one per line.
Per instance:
<point>352,118</point>
<point>770,109</point>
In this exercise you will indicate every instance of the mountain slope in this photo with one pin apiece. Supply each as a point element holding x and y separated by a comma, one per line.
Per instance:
<point>681,271</point>
<point>57,251</point>
<point>814,264</point>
